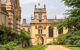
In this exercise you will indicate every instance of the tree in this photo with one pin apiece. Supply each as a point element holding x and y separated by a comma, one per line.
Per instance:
<point>72,22</point>
<point>6,35</point>
<point>25,38</point>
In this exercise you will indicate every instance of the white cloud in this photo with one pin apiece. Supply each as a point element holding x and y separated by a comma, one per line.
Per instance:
<point>31,1</point>
<point>28,1</point>
<point>54,7</point>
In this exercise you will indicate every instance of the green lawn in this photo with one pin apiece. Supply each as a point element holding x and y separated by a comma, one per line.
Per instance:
<point>40,47</point>
<point>75,48</point>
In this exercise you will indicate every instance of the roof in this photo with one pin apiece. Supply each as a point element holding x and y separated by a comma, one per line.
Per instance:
<point>48,21</point>
<point>24,25</point>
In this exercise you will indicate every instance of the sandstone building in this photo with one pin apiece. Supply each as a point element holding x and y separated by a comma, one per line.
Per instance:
<point>40,27</point>
<point>10,14</point>
<point>24,25</point>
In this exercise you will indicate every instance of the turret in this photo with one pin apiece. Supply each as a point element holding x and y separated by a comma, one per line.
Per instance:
<point>55,17</point>
<point>40,12</point>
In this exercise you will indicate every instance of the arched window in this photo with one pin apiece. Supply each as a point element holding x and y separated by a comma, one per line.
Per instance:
<point>40,29</point>
<point>60,31</point>
<point>50,30</point>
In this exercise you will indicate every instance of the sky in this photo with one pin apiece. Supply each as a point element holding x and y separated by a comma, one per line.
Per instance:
<point>53,7</point>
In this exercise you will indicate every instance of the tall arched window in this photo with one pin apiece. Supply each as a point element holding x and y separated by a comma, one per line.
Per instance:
<point>50,30</point>
<point>40,31</point>
<point>60,31</point>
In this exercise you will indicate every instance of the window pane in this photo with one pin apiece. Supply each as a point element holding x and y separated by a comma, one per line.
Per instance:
<point>60,31</point>
<point>50,32</point>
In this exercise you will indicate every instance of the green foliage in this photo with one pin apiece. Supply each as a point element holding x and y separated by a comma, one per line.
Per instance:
<point>73,3</point>
<point>61,38</point>
<point>72,23</point>
<point>74,12</point>
<point>6,35</point>
<point>25,38</point>
<point>25,34</point>
<point>14,46</point>
<point>73,38</point>
<point>60,24</point>
<point>10,46</point>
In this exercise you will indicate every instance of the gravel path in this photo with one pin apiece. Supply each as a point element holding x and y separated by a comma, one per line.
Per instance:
<point>56,47</point>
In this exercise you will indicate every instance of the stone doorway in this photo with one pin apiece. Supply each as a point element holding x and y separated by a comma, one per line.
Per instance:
<point>41,41</point>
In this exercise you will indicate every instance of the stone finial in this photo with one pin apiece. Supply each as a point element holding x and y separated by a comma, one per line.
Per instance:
<point>35,6</point>
<point>44,6</point>
<point>31,17</point>
<point>55,17</point>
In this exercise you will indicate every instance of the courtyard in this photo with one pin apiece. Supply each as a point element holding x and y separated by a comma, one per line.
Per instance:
<point>39,24</point>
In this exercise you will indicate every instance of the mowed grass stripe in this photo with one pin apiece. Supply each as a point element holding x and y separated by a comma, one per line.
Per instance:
<point>75,48</point>
<point>43,48</point>
<point>40,47</point>
<point>32,47</point>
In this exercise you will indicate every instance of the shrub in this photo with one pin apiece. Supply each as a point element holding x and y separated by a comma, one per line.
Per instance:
<point>10,46</point>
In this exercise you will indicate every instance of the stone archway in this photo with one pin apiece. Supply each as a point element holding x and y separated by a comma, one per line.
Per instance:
<point>40,41</point>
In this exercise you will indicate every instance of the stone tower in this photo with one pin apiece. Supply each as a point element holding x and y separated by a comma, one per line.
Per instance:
<point>24,25</point>
<point>40,27</point>
<point>40,13</point>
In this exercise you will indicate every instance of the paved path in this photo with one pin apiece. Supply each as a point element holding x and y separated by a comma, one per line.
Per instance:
<point>56,47</point>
